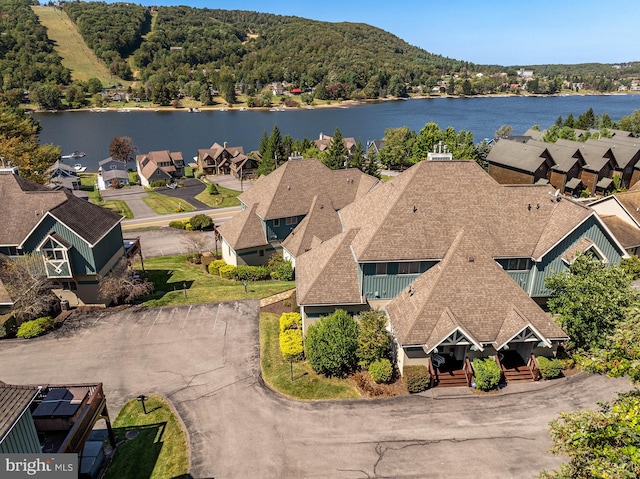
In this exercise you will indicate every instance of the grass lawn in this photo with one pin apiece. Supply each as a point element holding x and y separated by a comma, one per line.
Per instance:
<point>164,205</point>
<point>75,53</point>
<point>171,273</point>
<point>277,374</point>
<point>118,206</point>
<point>159,450</point>
<point>224,198</point>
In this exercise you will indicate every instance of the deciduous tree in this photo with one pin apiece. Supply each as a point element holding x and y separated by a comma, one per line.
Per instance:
<point>373,338</point>
<point>122,148</point>
<point>331,344</point>
<point>122,286</point>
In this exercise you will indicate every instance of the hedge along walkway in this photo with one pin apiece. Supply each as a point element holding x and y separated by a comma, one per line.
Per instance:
<point>276,298</point>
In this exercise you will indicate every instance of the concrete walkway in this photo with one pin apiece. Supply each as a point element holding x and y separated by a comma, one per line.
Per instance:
<point>133,197</point>
<point>228,181</point>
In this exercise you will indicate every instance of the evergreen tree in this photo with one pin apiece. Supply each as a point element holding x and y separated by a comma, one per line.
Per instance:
<point>336,153</point>
<point>357,160</point>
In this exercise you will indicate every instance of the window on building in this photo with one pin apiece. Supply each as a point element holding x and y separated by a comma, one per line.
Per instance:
<point>409,268</point>
<point>261,252</point>
<point>594,253</point>
<point>381,269</point>
<point>291,220</point>
<point>518,264</point>
<point>276,222</point>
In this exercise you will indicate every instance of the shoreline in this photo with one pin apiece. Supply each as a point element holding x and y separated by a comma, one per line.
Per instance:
<point>336,104</point>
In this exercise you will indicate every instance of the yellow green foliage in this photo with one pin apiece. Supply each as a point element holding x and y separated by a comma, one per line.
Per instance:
<point>215,265</point>
<point>290,321</point>
<point>291,344</point>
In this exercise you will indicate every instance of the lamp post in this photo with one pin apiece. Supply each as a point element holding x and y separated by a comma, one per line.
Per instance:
<point>142,398</point>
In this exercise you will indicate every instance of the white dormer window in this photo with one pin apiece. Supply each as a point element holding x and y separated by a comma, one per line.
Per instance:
<point>55,253</point>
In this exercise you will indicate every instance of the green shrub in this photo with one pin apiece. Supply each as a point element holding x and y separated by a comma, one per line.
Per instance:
<point>251,273</point>
<point>7,325</point>
<point>291,344</point>
<point>381,370</point>
<point>227,271</point>
<point>416,378</point>
<point>550,368</point>
<point>199,174</point>
<point>290,321</point>
<point>212,189</point>
<point>331,344</point>
<point>280,268</point>
<point>373,339</point>
<point>215,265</point>
<point>487,374</point>
<point>631,266</point>
<point>178,224</point>
<point>157,183</point>
<point>188,172</point>
<point>201,222</point>
<point>35,327</point>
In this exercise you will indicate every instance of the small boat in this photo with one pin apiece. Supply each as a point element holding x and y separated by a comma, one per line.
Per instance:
<point>79,168</point>
<point>243,109</point>
<point>75,154</point>
<point>124,110</point>
<point>223,109</point>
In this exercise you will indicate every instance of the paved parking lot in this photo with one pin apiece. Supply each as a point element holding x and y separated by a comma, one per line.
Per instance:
<point>205,360</point>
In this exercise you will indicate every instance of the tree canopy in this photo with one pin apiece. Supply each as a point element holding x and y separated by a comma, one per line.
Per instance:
<point>331,344</point>
<point>591,299</point>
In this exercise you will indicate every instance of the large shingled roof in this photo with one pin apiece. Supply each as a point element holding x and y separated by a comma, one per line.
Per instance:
<point>13,402</point>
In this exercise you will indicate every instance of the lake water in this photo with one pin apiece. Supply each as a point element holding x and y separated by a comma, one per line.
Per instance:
<point>187,132</point>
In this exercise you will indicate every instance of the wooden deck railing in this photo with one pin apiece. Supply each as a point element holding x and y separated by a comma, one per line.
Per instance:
<point>468,371</point>
<point>91,411</point>
<point>534,367</point>
<point>432,373</point>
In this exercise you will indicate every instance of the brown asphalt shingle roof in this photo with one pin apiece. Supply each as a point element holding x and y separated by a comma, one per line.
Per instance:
<point>244,230</point>
<point>469,290</point>
<point>321,223</point>
<point>523,156</point>
<point>25,203</point>
<point>627,234</point>
<point>565,157</point>
<point>595,155</point>
<point>417,214</point>
<point>627,153</point>
<point>333,275</point>
<point>289,190</point>
<point>13,401</point>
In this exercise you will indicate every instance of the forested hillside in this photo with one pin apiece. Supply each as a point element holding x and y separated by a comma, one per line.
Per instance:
<point>27,56</point>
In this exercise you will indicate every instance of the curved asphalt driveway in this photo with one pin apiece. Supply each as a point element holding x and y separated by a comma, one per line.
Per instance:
<point>205,359</point>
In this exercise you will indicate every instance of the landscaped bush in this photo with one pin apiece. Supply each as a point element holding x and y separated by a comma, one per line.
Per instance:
<point>290,321</point>
<point>201,222</point>
<point>215,265</point>
<point>280,268</point>
<point>251,273</point>
<point>199,174</point>
<point>157,183</point>
<point>370,388</point>
<point>212,189</point>
<point>550,368</point>
<point>179,224</point>
<point>227,271</point>
<point>487,374</point>
<point>381,370</point>
<point>188,172</point>
<point>7,325</point>
<point>35,327</point>
<point>373,338</point>
<point>417,378</point>
<point>291,344</point>
<point>331,344</point>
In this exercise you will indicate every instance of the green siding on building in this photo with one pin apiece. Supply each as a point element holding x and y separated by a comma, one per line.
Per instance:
<point>279,233</point>
<point>108,246</point>
<point>390,285</point>
<point>552,263</point>
<point>22,439</point>
<point>63,273</point>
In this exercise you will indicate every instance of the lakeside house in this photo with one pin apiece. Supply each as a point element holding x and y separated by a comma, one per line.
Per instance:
<point>62,175</point>
<point>570,166</point>
<point>112,173</point>
<point>226,160</point>
<point>163,165</point>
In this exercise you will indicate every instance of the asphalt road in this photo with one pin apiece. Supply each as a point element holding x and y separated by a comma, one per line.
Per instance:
<point>205,360</point>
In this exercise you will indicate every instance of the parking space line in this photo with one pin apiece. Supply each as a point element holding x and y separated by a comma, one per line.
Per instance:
<point>91,327</point>
<point>185,318</point>
<point>154,321</point>
<point>122,323</point>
